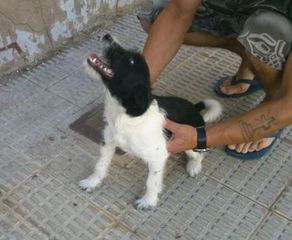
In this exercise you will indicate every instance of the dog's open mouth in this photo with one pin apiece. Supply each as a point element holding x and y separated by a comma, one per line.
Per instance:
<point>100,65</point>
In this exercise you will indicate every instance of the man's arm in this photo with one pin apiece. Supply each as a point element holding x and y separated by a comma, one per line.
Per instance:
<point>258,123</point>
<point>167,33</point>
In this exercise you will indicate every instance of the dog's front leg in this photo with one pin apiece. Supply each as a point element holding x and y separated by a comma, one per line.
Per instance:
<point>153,185</point>
<point>194,165</point>
<point>106,154</point>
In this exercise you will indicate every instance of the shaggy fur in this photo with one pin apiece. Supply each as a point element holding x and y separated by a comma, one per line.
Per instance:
<point>135,118</point>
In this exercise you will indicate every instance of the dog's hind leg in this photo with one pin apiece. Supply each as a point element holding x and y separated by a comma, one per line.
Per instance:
<point>106,154</point>
<point>153,184</point>
<point>194,165</point>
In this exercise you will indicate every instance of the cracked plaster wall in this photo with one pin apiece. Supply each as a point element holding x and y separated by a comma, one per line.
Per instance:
<point>30,29</point>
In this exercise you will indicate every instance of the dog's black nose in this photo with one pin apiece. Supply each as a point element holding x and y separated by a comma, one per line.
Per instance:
<point>108,38</point>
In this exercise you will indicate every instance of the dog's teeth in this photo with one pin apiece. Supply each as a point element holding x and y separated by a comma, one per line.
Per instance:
<point>95,60</point>
<point>108,70</point>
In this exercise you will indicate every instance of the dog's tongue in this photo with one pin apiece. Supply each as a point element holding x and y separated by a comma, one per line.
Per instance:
<point>92,58</point>
<point>93,55</point>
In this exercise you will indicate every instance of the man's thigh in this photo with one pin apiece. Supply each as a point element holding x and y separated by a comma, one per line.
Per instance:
<point>268,36</point>
<point>265,34</point>
<point>205,20</point>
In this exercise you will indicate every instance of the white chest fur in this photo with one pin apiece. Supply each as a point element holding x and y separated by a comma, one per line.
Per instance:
<point>141,136</point>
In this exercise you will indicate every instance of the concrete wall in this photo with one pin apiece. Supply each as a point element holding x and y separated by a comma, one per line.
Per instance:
<point>30,29</point>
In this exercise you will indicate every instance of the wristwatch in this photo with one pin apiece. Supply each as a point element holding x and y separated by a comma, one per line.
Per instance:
<point>201,140</point>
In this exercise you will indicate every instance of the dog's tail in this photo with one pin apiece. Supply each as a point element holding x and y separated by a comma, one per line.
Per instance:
<point>213,109</point>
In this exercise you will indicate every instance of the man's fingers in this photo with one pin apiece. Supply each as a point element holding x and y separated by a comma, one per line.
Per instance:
<point>170,125</point>
<point>171,147</point>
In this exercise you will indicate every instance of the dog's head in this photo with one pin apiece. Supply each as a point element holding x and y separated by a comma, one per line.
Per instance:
<point>125,74</point>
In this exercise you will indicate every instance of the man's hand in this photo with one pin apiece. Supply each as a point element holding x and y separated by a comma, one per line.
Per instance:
<point>184,137</point>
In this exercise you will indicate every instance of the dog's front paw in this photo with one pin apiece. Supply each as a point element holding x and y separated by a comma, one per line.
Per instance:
<point>145,203</point>
<point>90,183</point>
<point>194,167</point>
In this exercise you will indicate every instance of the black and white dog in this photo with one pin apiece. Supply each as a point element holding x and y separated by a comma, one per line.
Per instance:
<point>135,118</point>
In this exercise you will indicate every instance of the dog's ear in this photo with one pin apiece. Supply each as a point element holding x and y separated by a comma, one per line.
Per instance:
<point>139,101</point>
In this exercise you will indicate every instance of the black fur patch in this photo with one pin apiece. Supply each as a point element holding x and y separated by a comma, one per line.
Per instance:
<point>131,86</point>
<point>131,82</point>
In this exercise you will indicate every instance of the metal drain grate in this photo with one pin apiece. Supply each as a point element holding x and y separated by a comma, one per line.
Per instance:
<point>90,124</point>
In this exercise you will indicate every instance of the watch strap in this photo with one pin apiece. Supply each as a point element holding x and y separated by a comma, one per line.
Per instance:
<point>201,140</point>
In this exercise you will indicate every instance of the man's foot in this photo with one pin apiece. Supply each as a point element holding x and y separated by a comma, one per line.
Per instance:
<point>228,87</point>
<point>239,85</point>
<point>252,146</point>
<point>253,150</point>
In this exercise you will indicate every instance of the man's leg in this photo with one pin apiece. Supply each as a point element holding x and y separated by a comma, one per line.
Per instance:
<point>267,37</point>
<point>205,39</point>
<point>174,21</point>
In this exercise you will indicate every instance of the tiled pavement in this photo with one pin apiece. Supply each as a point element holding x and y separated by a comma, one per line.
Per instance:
<point>42,160</point>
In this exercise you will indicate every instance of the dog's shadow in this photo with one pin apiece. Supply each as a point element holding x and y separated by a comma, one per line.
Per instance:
<point>91,125</point>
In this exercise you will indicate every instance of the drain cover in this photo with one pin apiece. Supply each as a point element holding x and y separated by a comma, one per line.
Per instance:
<point>90,124</point>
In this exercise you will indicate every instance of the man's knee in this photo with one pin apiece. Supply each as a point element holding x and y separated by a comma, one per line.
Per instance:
<point>151,9</point>
<point>186,6</point>
<point>267,35</point>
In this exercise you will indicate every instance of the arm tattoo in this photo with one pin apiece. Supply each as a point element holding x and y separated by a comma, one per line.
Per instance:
<point>263,123</point>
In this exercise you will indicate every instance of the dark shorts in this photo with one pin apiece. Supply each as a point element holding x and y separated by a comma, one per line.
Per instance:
<point>264,33</point>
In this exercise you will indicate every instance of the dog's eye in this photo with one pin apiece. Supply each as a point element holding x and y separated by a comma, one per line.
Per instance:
<point>132,61</point>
